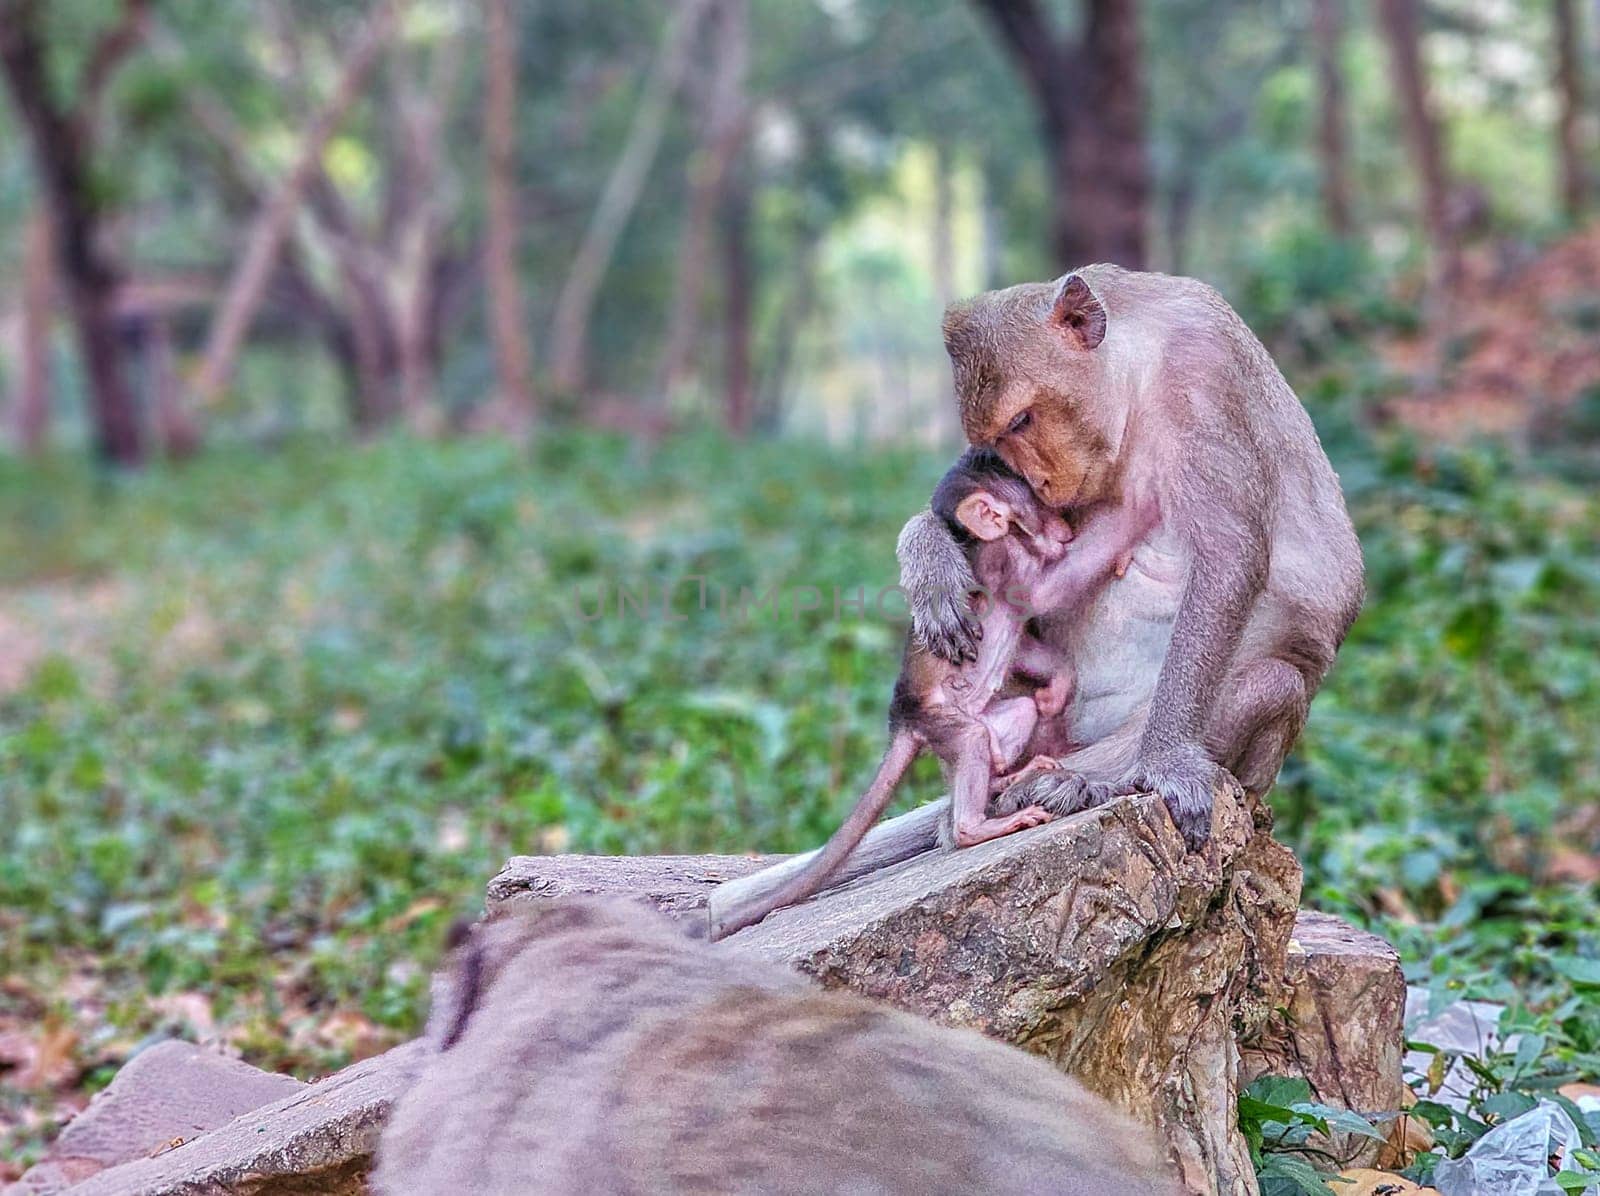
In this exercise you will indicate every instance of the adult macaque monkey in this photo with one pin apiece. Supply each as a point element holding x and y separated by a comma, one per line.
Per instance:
<point>1110,387</point>
<point>587,1046</point>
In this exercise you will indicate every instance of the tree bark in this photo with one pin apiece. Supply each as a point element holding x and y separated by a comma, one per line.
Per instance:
<point>1180,215</point>
<point>736,299</point>
<point>31,412</point>
<point>176,429</point>
<point>946,423</point>
<point>1110,185</point>
<point>1090,101</point>
<point>795,310</point>
<point>943,244</point>
<point>508,323</point>
<point>1327,24</point>
<point>723,126</point>
<point>1569,90</point>
<point>62,141</point>
<point>575,304</point>
<point>991,232</point>
<point>1401,29</point>
<point>250,277</point>
<point>415,234</point>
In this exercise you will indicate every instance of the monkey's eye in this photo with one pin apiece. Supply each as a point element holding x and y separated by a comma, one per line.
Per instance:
<point>1018,422</point>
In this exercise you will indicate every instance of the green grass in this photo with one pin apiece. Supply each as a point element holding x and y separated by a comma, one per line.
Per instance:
<point>308,701</point>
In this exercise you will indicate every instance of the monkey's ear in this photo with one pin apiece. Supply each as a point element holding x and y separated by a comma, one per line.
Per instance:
<point>984,515</point>
<point>1078,313</point>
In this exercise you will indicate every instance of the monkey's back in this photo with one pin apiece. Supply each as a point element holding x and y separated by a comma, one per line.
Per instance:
<point>629,1060</point>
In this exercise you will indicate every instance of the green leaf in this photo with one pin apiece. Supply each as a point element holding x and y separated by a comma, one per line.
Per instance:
<point>1345,1121</point>
<point>1529,1048</point>
<point>1578,969</point>
<point>1283,1091</point>
<point>1288,1175</point>
<point>1506,1105</point>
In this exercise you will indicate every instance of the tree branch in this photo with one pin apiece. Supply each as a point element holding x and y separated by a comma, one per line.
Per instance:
<point>239,302</point>
<point>1047,61</point>
<point>114,45</point>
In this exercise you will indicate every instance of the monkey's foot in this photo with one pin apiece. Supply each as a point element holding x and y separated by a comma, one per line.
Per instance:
<point>1188,781</point>
<point>1057,790</point>
<point>1035,766</point>
<point>995,828</point>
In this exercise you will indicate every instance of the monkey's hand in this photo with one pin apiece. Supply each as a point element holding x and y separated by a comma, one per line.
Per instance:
<point>937,579</point>
<point>1188,781</point>
<point>1055,789</point>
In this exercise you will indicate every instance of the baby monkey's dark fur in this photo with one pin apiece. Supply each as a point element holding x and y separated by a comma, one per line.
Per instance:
<point>592,1048</point>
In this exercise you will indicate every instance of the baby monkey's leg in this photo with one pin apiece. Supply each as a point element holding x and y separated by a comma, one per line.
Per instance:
<point>969,805</point>
<point>1010,723</point>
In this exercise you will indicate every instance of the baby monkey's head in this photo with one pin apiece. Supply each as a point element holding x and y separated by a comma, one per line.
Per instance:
<point>982,499</point>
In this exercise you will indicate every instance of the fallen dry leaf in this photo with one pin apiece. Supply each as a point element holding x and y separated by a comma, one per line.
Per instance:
<point>1406,1138</point>
<point>419,908</point>
<point>1392,902</point>
<point>553,840</point>
<point>1365,1181</point>
<point>54,1061</point>
<point>355,1033</point>
<point>190,1010</point>
<point>1570,866</point>
<point>1576,1090</point>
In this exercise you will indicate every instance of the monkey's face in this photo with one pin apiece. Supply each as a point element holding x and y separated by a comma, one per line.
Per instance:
<point>1046,440</point>
<point>1028,380</point>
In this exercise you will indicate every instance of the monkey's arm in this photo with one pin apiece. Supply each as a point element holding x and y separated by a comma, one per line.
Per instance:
<point>1102,551</point>
<point>937,579</point>
<point>1229,556</point>
<point>1037,660</point>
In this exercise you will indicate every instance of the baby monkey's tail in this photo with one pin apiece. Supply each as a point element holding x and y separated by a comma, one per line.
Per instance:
<point>744,902</point>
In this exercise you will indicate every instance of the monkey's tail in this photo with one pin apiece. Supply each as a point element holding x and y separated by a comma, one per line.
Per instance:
<point>744,902</point>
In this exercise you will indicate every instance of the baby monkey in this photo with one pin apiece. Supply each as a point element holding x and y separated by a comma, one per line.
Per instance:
<point>1019,552</point>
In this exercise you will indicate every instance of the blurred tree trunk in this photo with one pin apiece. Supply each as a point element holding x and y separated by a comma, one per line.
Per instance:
<point>418,210</point>
<point>575,303</point>
<point>737,285</point>
<point>62,139</point>
<point>943,246</point>
<point>1569,90</point>
<point>945,416</point>
<point>788,324</point>
<point>1090,100</point>
<point>1327,24</point>
<point>723,125</point>
<point>508,323</point>
<point>1180,216</point>
<point>176,429</point>
<point>379,398</point>
<point>1401,29</point>
<point>248,283</point>
<point>31,411</point>
<point>1109,183</point>
<point>991,232</point>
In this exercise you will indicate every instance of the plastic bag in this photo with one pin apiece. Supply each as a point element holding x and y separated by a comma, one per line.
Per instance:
<point>1513,1159</point>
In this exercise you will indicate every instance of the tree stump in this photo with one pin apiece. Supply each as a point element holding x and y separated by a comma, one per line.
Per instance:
<point>1095,941</point>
